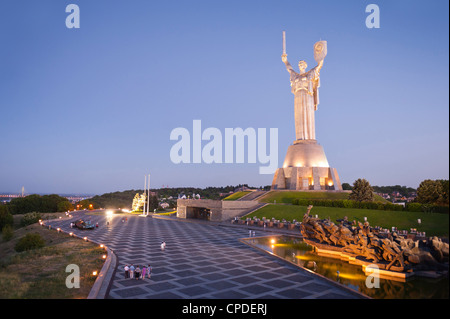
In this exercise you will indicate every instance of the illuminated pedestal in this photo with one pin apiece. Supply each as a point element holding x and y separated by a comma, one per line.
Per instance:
<point>306,168</point>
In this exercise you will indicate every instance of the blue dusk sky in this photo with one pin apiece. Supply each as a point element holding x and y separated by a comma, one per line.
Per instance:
<point>90,110</point>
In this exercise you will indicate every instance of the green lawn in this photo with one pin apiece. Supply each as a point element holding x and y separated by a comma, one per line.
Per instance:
<point>236,195</point>
<point>286,197</point>
<point>433,224</point>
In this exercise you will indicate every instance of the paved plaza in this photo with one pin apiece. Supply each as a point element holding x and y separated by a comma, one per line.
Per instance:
<point>200,261</point>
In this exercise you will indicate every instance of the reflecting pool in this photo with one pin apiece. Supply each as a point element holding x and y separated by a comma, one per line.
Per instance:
<point>296,251</point>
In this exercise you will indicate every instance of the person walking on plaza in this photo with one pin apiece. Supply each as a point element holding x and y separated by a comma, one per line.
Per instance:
<point>149,271</point>
<point>137,272</point>
<point>131,271</point>
<point>144,272</point>
<point>127,269</point>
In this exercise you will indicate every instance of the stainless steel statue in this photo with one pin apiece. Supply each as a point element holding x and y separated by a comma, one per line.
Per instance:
<point>305,87</point>
<point>305,166</point>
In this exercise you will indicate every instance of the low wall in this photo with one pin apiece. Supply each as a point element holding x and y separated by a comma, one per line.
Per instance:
<point>220,210</point>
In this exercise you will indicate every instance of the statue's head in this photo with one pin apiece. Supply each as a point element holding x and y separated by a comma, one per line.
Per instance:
<point>302,66</point>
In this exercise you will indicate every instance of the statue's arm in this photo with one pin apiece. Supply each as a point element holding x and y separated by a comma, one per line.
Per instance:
<point>289,67</point>
<point>319,66</point>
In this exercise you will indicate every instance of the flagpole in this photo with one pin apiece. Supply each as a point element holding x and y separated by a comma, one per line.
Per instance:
<point>145,191</point>
<point>148,202</point>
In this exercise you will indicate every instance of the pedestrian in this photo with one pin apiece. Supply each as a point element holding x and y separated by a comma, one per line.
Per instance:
<point>131,271</point>
<point>127,271</point>
<point>137,272</point>
<point>163,245</point>
<point>144,272</point>
<point>149,271</point>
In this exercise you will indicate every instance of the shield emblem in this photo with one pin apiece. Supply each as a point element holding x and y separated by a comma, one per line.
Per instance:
<point>320,51</point>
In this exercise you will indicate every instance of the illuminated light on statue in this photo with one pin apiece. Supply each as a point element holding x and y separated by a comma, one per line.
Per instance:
<point>305,157</point>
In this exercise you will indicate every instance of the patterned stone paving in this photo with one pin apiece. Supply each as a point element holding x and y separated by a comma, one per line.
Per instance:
<point>200,261</point>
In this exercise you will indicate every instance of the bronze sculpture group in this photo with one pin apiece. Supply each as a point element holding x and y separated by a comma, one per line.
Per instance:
<point>388,250</point>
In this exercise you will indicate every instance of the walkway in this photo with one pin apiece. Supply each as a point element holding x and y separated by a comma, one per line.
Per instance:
<point>201,260</point>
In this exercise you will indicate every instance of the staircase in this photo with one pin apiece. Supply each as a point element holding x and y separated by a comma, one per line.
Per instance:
<point>253,195</point>
<point>251,210</point>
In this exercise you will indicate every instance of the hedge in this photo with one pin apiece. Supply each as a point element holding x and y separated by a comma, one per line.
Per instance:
<point>346,203</point>
<point>30,241</point>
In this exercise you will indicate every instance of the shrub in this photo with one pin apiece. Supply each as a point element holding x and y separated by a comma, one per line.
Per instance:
<point>338,203</point>
<point>414,207</point>
<point>7,232</point>
<point>361,191</point>
<point>30,241</point>
<point>64,206</point>
<point>29,219</point>
<point>435,209</point>
<point>394,207</point>
<point>430,192</point>
<point>348,203</point>
<point>5,217</point>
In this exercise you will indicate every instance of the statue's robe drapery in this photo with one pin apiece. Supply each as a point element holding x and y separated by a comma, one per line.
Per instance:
<point>305,87</point>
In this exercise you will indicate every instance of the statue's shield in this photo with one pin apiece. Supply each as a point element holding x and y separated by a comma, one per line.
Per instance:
<point>320,51</point>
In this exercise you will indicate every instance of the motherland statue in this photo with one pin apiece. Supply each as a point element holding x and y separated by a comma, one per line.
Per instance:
<point>305,87</point>
<point>305,165</point>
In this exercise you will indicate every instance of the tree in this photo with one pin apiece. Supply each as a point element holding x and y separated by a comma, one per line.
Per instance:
<point>87,204</point>
<point>27,204</point>
<point>430,192</point>
<point>49,203</point>
<point>154,202</point>
<point>65,206</point>
<point>361,191</point>
<point>445,191</point>
<point>35,203</point>
<point>5,217</point>
<point>346,187</point>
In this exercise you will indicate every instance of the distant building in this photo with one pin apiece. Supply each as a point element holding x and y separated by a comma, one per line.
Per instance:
<point>164,205</point>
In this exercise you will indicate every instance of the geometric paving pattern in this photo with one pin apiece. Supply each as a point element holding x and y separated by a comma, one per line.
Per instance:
<point>200,261</point>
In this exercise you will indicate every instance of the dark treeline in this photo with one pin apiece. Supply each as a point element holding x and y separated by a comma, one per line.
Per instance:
<point>125,198</point>
<point>403,190</point>
<point>37,203</point>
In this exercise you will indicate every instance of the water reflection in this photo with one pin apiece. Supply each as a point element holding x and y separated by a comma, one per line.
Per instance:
<point>300,253</point>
